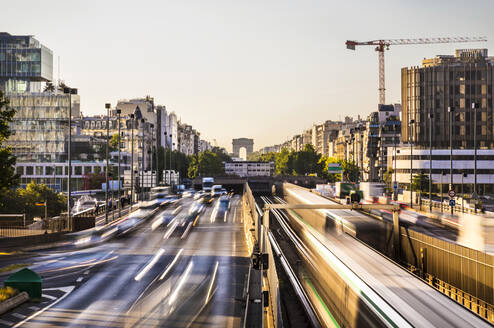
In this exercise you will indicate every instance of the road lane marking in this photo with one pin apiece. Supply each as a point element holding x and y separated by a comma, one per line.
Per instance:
<point>149,265</point>
<point>186,231</point>
<point>34,308</point>
<point>180,284</point>
<point>7,323</point>
<point>86,272</point>
<point>212,282</point>
<point>168,268</point>
<point>67,291</point>
<point>49,297</point>
<point>79,279</point>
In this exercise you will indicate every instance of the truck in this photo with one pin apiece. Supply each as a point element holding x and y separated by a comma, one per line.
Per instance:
<point>343,189</point>
<point>207,184</point>
<point>371,190</point>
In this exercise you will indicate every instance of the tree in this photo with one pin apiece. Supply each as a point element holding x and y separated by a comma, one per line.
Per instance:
<point>351,171</point>
<point>283,162</point>
<point>8,177</point>
<point>24,201</point>
<point>388,180</point>
<point>49,87</point>
<point>208,163</point>
<point>114,142</point>
<point>420,182</point>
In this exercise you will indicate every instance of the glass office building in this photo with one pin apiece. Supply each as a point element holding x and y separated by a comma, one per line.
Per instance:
<point>24,63</point>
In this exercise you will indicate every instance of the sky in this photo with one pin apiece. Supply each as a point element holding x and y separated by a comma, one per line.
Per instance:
<point>262,69</point>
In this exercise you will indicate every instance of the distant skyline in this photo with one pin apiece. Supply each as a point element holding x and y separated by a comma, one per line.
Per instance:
<point>265,70</point>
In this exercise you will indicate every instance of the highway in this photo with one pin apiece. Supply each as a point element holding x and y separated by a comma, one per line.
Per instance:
<point>168,273</point>
<point>384,288</point>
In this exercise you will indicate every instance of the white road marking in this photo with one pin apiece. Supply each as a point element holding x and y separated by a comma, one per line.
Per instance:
<point>149,265</point>
<point>49,297</point>
<point>212,282</point>
<point>86,272</point>
<point>5,322</point>
<point>186,231</point>
<point>180,283</point>
<point>168,268</point>
<point>79,279</point>
<point>34,308</point>
<point>67,291</point>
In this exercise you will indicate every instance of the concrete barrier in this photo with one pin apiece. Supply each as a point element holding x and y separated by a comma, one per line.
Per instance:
<point>13,302</point>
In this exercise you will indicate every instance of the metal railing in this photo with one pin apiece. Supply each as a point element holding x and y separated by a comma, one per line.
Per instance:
<point>482,308</point>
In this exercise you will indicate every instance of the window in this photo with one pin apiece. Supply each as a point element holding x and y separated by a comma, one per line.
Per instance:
<point>39,170</point>
<point>20,170</point>
<point>78,170</point>
<point>87,169</point>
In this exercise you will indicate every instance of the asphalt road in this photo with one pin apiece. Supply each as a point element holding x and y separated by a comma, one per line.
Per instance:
<point>178,275</point>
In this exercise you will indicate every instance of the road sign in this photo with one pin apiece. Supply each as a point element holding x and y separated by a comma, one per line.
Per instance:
<point>452,202</point>
<point>334,168</point>
<point>451,193</point>
<point>395,187</point>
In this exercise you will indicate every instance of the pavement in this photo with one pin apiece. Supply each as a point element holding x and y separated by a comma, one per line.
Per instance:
<point>189,273</point>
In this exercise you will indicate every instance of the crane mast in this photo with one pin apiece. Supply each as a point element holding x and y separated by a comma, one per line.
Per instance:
<point>382,45</point>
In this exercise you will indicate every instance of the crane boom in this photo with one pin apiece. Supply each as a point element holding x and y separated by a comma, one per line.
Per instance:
<point>384,44</point>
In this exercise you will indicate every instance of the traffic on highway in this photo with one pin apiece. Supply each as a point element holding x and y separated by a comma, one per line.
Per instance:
<point>166,264</point>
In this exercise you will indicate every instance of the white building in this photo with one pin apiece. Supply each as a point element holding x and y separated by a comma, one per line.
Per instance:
<point>249,169</point>
<point>463,167</point>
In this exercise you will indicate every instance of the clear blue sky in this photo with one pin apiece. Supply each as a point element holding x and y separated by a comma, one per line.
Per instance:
<point>231,68</point>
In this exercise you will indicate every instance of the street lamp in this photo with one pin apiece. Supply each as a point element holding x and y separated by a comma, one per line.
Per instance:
<point>164,159</point>
<point>431,116</point>
<point>474,195</point>
<point>411,162</point>
<point>463,175</point>
<point>107,106</point>
<point>441,184</point>
<point>70,92</point>
<point>150,151</point>
<point>395,185</point>
<point>142,162</point>
<point>132,163</point>
<point>451,122</point>
<point>119,195</point>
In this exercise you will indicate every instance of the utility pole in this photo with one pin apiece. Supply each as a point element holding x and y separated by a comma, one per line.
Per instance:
<point>107,164</point>
<point>119,191</point>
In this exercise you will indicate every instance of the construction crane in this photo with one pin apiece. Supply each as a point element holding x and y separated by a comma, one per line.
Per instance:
<point>382,45</point>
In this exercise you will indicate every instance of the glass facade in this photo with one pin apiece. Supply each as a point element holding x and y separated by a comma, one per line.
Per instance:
<point>24,63</point>
<point>40,126</point>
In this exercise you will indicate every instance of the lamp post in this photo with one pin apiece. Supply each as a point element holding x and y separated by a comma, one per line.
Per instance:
<point>70,92</point>
<point>441,184</point>
<point>164,159</point>
<point>150,151</point>
<point>119,191</point>
<point>132,163</point>
<point>170,167</point>
<point>463,175</point>
<point>395,186</point>
<point>450,111</point>
<point>142,162</point>
<point>107,106</point>
<point>431,116</point>
<point>474,195</point>
<point>411,162</point>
